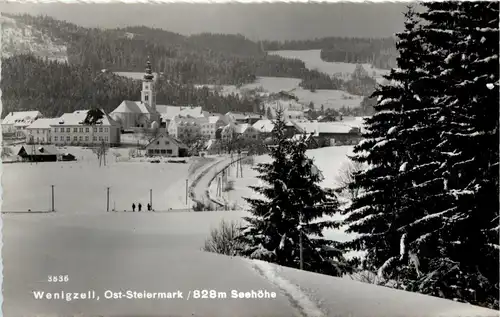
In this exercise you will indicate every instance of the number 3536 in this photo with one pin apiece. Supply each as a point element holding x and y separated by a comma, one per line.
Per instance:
<point>57,278</point>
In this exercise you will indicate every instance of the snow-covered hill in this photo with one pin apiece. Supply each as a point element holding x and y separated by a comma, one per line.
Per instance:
<point>18,38</point>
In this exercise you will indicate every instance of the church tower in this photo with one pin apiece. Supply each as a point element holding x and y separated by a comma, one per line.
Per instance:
<point>148,93</point>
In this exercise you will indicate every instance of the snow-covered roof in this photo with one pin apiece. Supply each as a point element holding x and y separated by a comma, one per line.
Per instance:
<point>128,106</point>
<point>22,117</point>
<point>298,137</point>
<point>77,118</point>
<point>167,113</point>
<point>213,119</point>
<point>243,115</point>
<point>180,120</point>
<point>171,138</point>
<point>39,150</point>
<point>264,125</point>
<point>42,123</point>
<point>241,128</point>
<point>325,127</point>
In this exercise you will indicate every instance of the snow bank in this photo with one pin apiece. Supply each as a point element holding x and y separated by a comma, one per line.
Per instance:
<point>301,301</point>
<point>344,297</point>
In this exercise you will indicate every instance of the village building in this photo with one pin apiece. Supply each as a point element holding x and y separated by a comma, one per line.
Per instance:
<point>209,126</point>
<point>311,142</point>
<point>167,146</point>
<point>228,132</point>
<point>265,127</point>
<point>143,113</point>
<point>168,113</point>
<point>69,129</point>
<point>37,153</point>
<point>39,132</point>
<point>184,128</point>
<point>246,131</point>
<point>332,133</point>
<point>15,123</point>
<point>243,117</point>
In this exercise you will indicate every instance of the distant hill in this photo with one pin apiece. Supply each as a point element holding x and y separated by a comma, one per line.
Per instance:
<point>34,47</point>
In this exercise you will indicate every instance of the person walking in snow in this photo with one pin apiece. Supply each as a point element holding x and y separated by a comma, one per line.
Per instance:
<point>149,207</point>
<point>133,207</point>
<point>139,206</point>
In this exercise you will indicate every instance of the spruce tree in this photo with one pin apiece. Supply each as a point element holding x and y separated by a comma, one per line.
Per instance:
<point>379,214</point>
<point>293,205</point>
<point>428,215</point>
<point>458,244</point>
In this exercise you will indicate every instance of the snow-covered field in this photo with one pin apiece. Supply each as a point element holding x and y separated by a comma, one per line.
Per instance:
<point>329,98</point>
<point>160,252</point>
<point>80,187</point>
<point>313,61</point>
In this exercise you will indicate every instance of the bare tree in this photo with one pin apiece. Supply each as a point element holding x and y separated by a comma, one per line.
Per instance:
<point>223,240</point>
<point>101,152</point>
<point>132,153</point>
<point>346,177</point>
<point>6,151</point>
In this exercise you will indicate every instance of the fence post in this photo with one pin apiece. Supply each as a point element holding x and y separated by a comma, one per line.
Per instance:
<point>52,197</point>
<point>186,191</point>
<point>107,199</point>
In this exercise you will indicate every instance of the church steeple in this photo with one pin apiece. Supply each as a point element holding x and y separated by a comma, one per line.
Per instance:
<point>148,93</point>
<point>149,72</point>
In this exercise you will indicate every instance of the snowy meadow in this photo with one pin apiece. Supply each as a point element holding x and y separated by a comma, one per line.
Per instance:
<point>81,186</point>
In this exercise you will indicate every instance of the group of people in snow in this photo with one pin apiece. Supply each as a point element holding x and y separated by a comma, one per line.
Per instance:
<point>139,207</point>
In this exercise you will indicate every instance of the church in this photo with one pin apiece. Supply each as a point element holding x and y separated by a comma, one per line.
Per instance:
<point>140,114</point>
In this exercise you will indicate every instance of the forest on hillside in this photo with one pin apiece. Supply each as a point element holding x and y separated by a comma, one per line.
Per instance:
<point>54,88</point>
<point>183,62</point>
<point>197,59</point>
<point>381,53</point>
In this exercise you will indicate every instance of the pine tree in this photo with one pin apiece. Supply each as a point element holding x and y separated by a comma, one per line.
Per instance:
<point>460,233</point>
<point>380,213</point>
<point>294,204</point>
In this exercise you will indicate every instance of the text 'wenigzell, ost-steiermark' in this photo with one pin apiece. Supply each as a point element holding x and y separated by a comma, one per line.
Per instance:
<point>131,294</point>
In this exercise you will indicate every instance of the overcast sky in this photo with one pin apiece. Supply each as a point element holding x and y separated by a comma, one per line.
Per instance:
<point>256,21</point>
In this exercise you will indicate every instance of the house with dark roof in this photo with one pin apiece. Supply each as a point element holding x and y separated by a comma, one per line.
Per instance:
<point>38,153</point>
<point>167,146</point>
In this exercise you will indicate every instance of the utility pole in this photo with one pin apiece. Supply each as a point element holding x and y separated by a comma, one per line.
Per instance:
<point>104,151</point>
<point>301,249</point>
<point>107,199</point>
<point>52,197</point>
<point>151,198</point>
<point>241,169</point>
<point>186,191</point>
